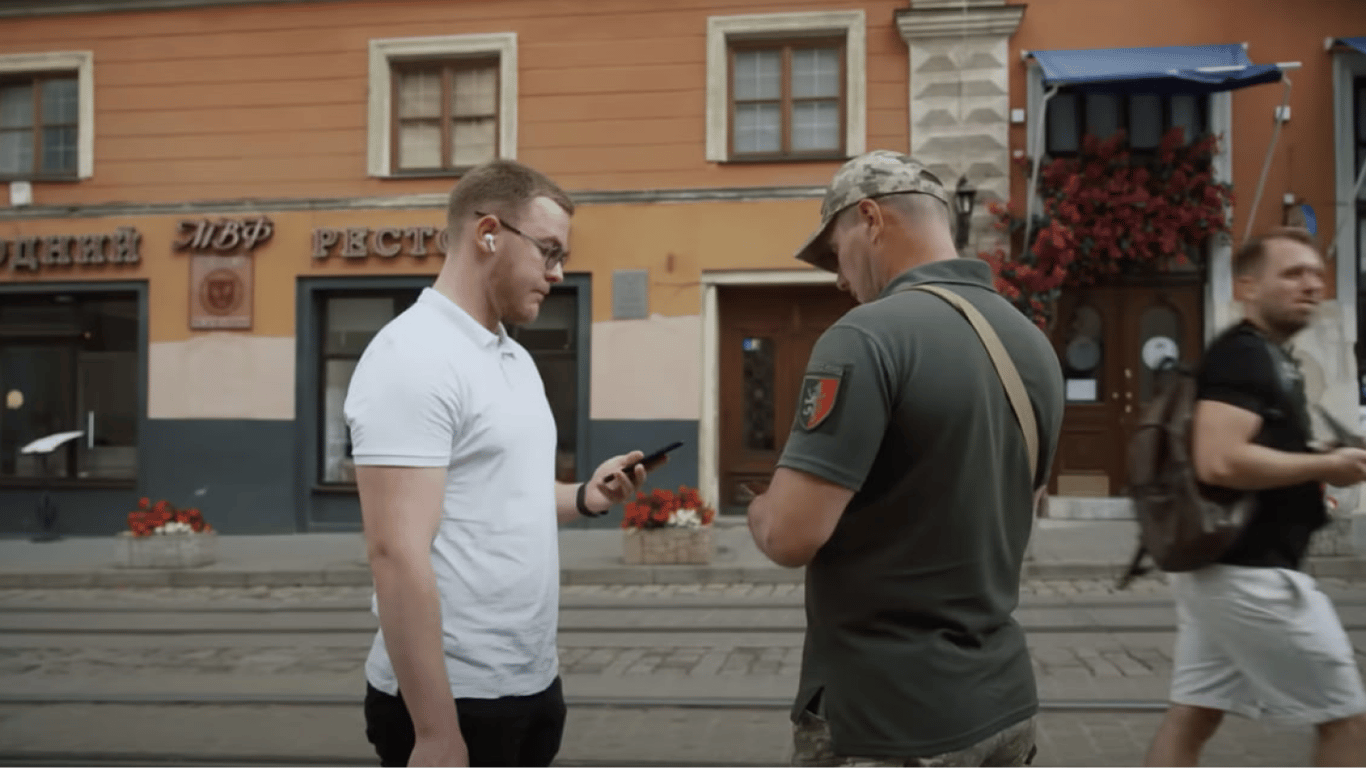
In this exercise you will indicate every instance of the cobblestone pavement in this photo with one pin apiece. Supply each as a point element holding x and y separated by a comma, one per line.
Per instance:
<point>593,736</point>
<point>1084,664</point>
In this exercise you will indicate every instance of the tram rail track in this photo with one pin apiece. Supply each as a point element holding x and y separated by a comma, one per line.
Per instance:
<point>635,604</point>
<point>608,702</point>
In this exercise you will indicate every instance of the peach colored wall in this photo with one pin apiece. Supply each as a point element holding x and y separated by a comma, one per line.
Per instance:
<point>1275,31</point>
<point>674,241</point>
<point>621,389</point>
<point>269,101</point>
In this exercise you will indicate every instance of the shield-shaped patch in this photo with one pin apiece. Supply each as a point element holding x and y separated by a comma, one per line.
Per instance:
<point>820,392</point>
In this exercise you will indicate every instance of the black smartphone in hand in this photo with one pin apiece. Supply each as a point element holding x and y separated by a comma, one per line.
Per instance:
<point>650,460</point>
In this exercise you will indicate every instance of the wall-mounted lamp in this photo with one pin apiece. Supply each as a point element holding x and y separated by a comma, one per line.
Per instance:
<point>964,199</point>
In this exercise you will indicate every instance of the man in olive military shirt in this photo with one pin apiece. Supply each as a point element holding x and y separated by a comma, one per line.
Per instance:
<point>905,490</point>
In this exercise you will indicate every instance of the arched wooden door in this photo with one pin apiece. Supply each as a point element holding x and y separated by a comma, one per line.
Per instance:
<point>1110,341</point>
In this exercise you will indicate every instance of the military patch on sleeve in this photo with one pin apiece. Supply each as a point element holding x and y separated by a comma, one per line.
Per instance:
<point>820,392</point>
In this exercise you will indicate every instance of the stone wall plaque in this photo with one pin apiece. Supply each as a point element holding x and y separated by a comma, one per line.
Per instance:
<point>221,289</point>
<point>630,294</point>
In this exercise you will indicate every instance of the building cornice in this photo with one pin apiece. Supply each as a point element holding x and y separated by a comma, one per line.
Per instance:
<point>432,200</point>
<point>73,7</point>
<point>940,20</point>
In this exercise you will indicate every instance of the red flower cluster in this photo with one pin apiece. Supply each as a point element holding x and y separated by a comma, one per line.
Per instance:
<point>1106,212</point>
<point>653,510</point>
<point>148,517</point>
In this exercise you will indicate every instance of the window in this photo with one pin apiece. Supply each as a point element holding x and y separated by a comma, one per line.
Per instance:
<point>445,114</point>
<point>787,99</point>
<point>786,86</point>
<point>46,116</point>
<point>1145,118</point>
<point>553,341</point>
<point>349,319</point>
<point>38,125</point>
<point>70,362</point>
<point>439,105</point>
<point>1358,138</point>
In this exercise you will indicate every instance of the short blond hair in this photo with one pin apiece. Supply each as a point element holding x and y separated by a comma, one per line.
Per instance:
<point>1250,258</point>
<point>502,188</point>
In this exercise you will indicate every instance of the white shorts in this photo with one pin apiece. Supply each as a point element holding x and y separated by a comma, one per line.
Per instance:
<point>1262,643</point>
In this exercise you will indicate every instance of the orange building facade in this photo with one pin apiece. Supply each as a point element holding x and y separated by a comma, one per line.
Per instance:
<point>213,206</point>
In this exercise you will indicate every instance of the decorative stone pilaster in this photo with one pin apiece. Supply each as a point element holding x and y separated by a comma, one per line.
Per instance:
<point>960,97</point>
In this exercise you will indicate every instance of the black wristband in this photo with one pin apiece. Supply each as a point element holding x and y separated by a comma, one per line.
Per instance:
<point>582,504</point>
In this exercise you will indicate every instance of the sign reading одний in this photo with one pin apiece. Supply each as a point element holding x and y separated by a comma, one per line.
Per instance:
<point>385,242</point>
<point>50,251</point>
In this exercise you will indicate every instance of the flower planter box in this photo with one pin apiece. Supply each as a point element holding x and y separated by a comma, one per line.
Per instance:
<point>172,550</point>
<point>667,546</point>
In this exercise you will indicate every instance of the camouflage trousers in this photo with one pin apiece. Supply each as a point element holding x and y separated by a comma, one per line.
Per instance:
<point>1013,746</point>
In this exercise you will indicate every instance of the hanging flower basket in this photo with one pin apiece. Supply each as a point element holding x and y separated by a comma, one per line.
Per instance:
<point>1108,212</point>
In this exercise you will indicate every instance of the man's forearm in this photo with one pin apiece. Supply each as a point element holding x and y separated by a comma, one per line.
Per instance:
<point>1252,467</point>
<point>566,502</point>
<point>410,618</point>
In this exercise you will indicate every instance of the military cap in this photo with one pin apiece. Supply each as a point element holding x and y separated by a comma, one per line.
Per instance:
<point>874,174</point>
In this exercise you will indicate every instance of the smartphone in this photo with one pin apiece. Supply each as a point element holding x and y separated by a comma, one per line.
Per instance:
<point>652,460</point>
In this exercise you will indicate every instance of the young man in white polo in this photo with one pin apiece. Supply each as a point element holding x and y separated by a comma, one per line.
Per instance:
<point>454,444</point>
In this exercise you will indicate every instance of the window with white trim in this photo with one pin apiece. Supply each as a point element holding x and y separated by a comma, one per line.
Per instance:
<point>786,86</point>
<point>46,116</point>
<point>440,105</point>
<point>1144,118</point>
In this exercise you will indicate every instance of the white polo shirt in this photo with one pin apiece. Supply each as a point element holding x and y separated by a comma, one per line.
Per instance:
<point>437,389</point>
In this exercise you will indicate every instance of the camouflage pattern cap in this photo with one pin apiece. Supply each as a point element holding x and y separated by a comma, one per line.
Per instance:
<point>876,173</point>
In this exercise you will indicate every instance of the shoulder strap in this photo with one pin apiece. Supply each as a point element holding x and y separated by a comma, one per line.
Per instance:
<point>1005,368</point>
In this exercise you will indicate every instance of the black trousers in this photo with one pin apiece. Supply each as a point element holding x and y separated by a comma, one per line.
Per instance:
<point>512,730</point>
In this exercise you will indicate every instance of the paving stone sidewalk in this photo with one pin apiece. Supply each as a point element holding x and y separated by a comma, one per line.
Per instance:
<point>1059,549</point>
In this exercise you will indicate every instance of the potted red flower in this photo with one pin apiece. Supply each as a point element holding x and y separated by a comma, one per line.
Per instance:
<point>159,535</point>
<point>668,527</point>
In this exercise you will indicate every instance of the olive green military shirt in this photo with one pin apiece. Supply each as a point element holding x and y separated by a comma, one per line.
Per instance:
<point>911,649</point>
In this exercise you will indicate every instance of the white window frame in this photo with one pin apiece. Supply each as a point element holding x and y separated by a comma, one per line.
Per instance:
<point>384,52</point>
<point>83,64</point>
<point>1347,65</point>
<point>853,25</point>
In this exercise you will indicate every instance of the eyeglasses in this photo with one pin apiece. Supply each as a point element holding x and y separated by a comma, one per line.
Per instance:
<point>555,256</point>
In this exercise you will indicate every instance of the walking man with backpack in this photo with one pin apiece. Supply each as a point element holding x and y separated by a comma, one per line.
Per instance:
<point>1255,636</point>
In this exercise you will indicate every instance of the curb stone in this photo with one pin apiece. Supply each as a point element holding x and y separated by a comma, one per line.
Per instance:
<point>1340,567</point>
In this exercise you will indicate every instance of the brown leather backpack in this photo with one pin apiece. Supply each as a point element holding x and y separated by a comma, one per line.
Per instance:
<point>1181,527</point>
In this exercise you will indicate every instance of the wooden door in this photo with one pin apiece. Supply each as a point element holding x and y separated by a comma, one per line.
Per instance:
<point>766,337</point>
<point>1110,341</point>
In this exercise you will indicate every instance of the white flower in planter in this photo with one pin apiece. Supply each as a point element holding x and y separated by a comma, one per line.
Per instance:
<point>685,518</point>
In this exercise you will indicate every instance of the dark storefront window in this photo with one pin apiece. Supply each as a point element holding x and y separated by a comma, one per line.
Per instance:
<point>69,362</point>
<point>349,320</point>
<point>553,341</point>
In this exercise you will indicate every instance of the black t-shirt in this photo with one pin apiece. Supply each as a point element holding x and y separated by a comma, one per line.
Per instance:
<point>1242,369</point>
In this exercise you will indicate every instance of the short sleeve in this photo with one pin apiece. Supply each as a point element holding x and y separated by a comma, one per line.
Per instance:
<point>1238,371</point>
<point>400,410</point>
<point>843,409</point>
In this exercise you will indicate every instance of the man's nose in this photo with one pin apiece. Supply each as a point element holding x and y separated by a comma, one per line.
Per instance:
<point>555,275</point>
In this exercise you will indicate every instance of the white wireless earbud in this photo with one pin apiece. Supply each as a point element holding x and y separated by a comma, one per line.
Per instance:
<point>488,241</point>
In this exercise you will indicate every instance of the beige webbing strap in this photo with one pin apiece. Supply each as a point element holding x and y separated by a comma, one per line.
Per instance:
<point>1005,368</point>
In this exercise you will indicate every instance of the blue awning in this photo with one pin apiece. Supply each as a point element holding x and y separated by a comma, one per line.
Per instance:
<point>1172,69</point>
<point>1358,43</point>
